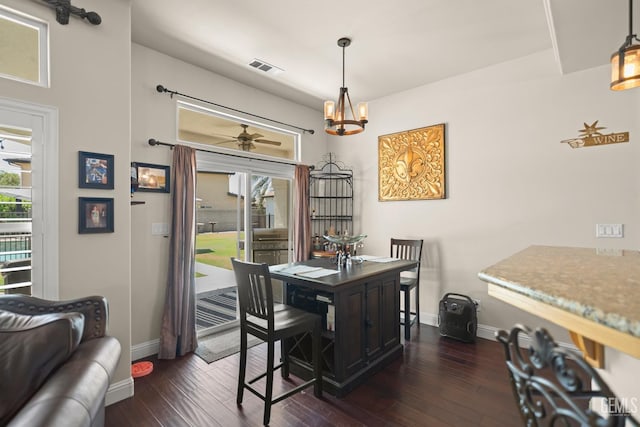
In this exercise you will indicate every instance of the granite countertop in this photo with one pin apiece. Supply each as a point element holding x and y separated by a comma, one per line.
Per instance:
<point>602,286</point>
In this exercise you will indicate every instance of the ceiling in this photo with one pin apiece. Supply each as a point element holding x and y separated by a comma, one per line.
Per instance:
<point>396,46</point>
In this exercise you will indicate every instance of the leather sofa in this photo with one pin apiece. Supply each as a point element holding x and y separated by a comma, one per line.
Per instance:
<point>56,361</point>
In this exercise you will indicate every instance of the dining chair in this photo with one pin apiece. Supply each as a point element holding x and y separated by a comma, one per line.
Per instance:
<point>556,386</point>
<point>409,280</point>
<point>271,323</point>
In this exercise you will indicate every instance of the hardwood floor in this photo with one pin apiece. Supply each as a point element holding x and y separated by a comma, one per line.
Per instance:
<point>438,382</point>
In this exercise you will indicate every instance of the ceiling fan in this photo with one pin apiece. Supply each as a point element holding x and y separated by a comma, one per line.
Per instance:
<point>246,140</point>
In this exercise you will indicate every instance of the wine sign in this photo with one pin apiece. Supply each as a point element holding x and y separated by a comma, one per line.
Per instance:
<point>591,136</point>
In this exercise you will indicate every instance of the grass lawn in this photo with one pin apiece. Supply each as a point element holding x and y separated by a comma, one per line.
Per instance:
<point>222,247</point>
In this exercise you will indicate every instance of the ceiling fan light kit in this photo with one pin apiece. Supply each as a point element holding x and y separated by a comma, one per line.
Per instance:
<point>335,116</point>
<point>625,62</point>
<point>245,140</point>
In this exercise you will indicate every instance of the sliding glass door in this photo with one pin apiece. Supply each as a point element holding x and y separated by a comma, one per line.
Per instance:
<point>241,212</point>
<point>244,198</point>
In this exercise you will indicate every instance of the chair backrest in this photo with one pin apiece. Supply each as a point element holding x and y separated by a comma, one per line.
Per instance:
<point>255,293</point>
<point>407,249</point>
<point>554,386</point>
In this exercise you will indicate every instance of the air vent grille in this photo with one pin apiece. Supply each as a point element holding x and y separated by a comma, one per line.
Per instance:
<point>263,66</point>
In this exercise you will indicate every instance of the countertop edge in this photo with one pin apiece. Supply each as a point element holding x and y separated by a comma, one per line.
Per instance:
<point>612,320</point>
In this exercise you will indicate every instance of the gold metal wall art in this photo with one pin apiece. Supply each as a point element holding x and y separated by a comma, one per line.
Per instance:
<point>411,164</point>
<point>591,136</point>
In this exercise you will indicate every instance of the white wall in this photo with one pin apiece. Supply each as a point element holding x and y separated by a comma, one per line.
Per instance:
<point>90,86</point>
<point>510,182</point>
<point>154,116</point>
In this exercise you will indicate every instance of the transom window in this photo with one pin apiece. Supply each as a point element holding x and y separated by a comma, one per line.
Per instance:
<point>24,48</point>
<point>222,132</point>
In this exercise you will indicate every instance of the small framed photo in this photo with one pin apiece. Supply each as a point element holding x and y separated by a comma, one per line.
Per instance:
<point>153,178</point>
<point>95,215</point>
<point>95,170</point>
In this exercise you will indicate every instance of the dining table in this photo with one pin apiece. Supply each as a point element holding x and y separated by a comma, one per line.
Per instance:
<point>359,303</point>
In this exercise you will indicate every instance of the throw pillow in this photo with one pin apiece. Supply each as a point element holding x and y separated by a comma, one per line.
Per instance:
<point>31,347</point>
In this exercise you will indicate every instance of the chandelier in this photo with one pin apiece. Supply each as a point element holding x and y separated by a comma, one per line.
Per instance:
<point>625,62</point>
<point>335,117</point>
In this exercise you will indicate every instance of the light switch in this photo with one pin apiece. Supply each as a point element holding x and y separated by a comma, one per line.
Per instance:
<point>159,229</point>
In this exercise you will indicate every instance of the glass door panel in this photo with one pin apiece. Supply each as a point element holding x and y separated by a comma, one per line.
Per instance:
<point>270,219</point>
<point>220,235</point>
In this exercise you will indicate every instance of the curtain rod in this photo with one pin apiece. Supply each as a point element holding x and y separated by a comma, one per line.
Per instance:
<point>163,89</point>
<point>154,142</point>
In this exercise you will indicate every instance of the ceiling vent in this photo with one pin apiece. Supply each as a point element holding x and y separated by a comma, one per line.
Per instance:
<point>267,68</point>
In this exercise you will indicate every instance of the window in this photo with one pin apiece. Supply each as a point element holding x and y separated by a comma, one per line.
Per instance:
<point>222,132</point>
<point>24,48</point>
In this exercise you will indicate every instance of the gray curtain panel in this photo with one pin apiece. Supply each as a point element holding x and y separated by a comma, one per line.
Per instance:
<point>302,219</point>
<point>178,335</point>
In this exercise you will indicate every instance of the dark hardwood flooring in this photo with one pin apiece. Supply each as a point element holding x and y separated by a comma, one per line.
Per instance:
<point>437,382</point>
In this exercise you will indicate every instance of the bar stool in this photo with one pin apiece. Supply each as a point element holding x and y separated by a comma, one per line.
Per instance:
<point>411,250</point>
<point>260,318</point>
<point>554,385</point>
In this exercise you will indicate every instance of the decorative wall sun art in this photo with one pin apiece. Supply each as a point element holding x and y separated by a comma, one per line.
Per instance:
<point>411,164</point>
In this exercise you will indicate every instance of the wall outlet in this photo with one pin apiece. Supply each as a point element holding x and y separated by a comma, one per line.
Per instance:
<point>477,303</point>
<point>609,252</point>
<point>610,230</point>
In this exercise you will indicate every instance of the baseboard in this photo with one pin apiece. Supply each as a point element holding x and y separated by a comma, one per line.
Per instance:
<point>119,391</point>
<point>146,349</point>
<point>149,348</point>
<point>124,389</point>
<point>486,332</point>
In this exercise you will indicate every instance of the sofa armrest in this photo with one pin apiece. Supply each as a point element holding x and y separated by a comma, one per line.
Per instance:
<point>94,308</point>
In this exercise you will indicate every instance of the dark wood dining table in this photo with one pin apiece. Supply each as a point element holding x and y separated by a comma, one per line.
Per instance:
<point>360,308</point>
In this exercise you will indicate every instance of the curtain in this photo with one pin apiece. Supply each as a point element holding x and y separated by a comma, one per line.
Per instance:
<point>302,219</point>
<point>178,334</point>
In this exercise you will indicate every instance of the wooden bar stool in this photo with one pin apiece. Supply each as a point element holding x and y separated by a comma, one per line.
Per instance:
<point>259,318</point>
<point>411,250</point>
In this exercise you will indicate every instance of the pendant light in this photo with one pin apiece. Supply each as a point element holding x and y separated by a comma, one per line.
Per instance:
<point>335,117</point>
<point>625,63</point>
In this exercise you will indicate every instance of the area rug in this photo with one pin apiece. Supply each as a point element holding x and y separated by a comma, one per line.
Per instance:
<point>216,308</point>
<point>215,347</point>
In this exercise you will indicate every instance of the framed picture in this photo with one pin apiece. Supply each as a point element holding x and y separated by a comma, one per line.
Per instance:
<point>95,170</point>
<point>411,164</point>
<point>153,178</point>
<point>95,215</point>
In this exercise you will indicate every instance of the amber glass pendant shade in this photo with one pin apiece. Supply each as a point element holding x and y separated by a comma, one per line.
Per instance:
<point>625,68</point>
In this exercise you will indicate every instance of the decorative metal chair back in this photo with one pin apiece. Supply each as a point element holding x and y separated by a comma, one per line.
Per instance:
<point>554,386</point>
<point>255,293</point>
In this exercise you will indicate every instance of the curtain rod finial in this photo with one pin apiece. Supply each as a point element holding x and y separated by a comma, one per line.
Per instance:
<point>311,131</point>
<point>161,88</point>
<point>153,142</point>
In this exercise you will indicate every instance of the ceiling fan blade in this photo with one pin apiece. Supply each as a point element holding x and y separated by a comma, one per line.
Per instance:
<point>266,141</point>
<point>255,135</point>
<point>226,142</point>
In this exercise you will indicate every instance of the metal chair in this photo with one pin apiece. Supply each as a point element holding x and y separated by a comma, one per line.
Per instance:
<point>553,386</point>
<point>411,250</point>
<point>259,317</point>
